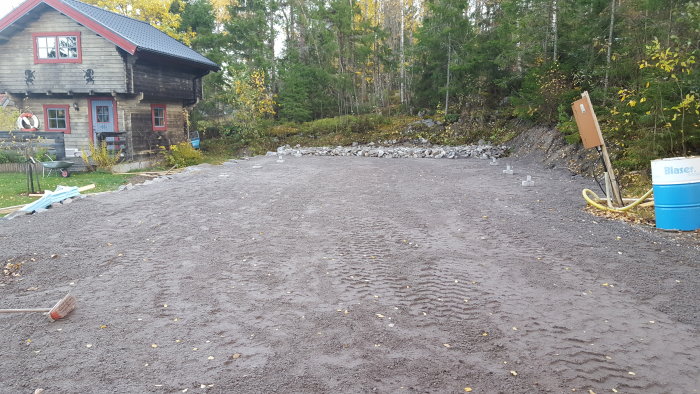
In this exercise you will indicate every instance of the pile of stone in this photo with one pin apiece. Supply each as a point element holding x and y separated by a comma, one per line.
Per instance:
<point>372,150</point>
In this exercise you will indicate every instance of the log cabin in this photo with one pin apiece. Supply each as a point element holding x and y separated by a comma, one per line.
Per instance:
<point>95,75</point>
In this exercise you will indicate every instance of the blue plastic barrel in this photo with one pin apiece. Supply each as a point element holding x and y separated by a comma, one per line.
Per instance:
<point>676,183</point>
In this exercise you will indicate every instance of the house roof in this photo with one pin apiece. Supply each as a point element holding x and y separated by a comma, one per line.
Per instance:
<point>127,33</point>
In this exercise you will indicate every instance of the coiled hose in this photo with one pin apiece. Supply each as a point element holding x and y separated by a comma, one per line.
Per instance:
<point>592,201</point>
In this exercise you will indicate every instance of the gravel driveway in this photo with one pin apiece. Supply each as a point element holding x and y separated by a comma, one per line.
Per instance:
<point>346,274</point>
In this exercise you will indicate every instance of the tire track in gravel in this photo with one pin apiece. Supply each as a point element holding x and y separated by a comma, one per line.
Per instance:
<point>590,347</point>
<point>351,274</point>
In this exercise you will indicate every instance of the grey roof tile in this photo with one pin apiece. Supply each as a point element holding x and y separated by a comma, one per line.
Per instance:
<point>143,35</point>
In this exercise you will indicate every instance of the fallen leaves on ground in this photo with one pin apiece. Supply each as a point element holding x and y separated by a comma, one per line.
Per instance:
<point>12,269</point>
<point>630,217</point>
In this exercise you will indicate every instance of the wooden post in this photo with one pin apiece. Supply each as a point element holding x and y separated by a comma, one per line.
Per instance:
<point>592,137</point>
<point>606,158</point>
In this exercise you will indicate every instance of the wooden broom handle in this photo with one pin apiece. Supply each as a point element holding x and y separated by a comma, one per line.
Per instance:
<point>25,310</point>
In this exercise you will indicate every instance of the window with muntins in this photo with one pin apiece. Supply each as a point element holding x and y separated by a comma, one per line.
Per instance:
<point>102,113</point>
<point>57,47</point>
<point>158,116</point>
<point>56,118</point>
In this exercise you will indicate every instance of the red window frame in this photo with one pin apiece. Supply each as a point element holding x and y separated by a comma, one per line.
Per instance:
<point>65,107</point>
<point>58,59</point>
<point>164,127</point>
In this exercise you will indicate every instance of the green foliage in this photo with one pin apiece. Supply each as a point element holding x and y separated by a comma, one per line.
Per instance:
<point>661,116</point>
<point>303,95</point>
<point>505,59</point>
<point>11,156</point>
<point>182,155</point>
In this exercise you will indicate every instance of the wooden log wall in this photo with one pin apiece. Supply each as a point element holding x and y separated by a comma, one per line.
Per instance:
<point>158,81</point>
<point>137,120</point>
<point>79,137</point>
<point>98,54</point>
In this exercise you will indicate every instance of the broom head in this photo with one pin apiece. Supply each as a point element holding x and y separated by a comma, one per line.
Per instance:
<point>62,308</point>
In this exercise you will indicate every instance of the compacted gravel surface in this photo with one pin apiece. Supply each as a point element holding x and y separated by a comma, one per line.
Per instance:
<point>349,274</point>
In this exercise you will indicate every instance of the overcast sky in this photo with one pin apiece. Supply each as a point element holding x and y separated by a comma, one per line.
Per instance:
<point>7,5</point>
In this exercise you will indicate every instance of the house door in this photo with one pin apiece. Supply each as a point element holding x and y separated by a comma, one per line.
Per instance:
<point>102,118</point>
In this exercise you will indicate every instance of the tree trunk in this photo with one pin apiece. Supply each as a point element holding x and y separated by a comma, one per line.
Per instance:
<point>609,55</point>
<point>402,58</point>
<point>555,30</point>
<point>447,84</point>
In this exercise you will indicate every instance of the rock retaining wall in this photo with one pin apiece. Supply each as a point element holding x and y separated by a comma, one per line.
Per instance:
<point>371,150</point>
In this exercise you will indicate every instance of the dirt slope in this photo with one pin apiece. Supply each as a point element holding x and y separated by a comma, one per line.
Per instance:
<point>340,274</point>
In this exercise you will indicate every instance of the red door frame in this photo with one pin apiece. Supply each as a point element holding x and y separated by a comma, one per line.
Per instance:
<point>90,123</point>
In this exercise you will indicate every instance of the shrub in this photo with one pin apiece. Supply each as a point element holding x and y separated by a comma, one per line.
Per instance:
<point>183,155</point>
<point>101,157</point>
<point>10,156</point>
<point>8,118</point>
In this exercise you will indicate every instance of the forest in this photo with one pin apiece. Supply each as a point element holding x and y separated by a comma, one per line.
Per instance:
<point>473,63</point>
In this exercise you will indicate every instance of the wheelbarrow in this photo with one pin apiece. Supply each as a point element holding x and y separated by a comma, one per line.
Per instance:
<point>57,165</point>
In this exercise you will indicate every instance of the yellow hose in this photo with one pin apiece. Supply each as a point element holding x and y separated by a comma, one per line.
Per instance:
<point>591,201</point>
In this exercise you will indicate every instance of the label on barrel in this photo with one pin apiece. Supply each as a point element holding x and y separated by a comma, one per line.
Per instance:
<point>676,170</point>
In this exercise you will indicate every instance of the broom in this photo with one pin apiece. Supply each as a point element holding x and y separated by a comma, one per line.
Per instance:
<point>59,311</point>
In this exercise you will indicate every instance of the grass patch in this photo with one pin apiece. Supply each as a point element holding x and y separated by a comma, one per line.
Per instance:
<point>13,187</point>
<point>341,130</point>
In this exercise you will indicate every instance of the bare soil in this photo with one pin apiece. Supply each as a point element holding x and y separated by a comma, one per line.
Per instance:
<point>342,274</point>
